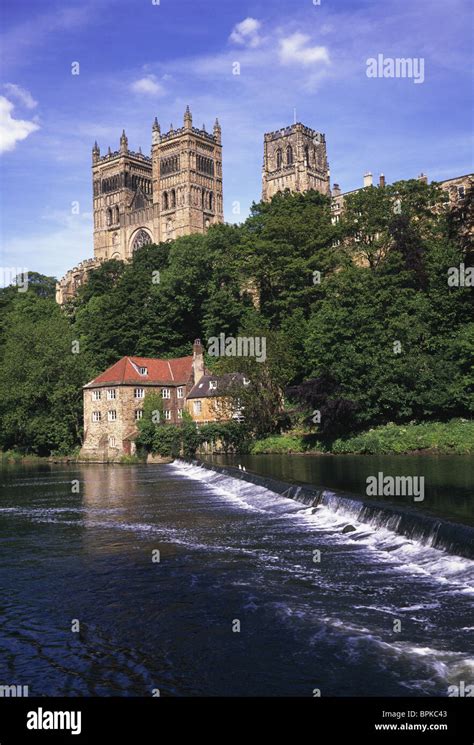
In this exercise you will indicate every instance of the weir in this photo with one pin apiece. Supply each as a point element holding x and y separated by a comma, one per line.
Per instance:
<point>452,538</point>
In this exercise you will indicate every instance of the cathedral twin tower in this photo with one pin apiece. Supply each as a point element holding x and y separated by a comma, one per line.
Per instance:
<point>140,200</point>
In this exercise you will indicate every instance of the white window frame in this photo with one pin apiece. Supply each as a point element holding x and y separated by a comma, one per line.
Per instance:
<point>112,415</point>
<point>180,413</point>
<point>168,415</point>
<point>96,417</point>
<point>111,394</point>
<point>180,391</point>
<point>197,406</point>
<point>112,441</point>
<point>143,370</point>
<point>138,414</point>
<point>139,393</point>
<point>96,395</point>
<point>213,385</point>
<point>166,393</point>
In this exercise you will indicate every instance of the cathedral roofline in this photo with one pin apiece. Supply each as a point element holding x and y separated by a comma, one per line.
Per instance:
<point>129,154</point>
<point>191,130</point>
<point>294,128</point>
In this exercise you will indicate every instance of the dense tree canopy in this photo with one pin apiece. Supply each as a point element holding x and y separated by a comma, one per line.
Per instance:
<point>359,320</point>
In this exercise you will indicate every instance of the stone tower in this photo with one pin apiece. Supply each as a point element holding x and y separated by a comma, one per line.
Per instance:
<point>294,158</point>
<point>187,178</point>
<point>124,215</point>
<point>139,200</point>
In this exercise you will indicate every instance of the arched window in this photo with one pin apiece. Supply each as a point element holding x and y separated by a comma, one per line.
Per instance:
<point>211,201</point>
<point>109,216</point>
<point>289,155</point>
<point>165,201</point>
<point>173,199</point>
<point>279,158</point>
<point>203,199</point>
<point>117,215</point>
<point>306,155</point>
<point>140,239</point>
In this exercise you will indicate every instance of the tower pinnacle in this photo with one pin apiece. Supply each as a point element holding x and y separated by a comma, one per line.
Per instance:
<point>188,118</point>
<point>156,133</point>
<point>123,142</point>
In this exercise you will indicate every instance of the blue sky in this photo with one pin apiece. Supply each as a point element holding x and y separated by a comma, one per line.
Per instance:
<point>139,60</point>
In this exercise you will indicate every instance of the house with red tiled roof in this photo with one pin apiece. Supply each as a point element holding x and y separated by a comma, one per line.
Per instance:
<point>113,401</point>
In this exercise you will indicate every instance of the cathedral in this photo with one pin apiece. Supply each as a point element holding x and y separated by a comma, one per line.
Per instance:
<point>140,199</point>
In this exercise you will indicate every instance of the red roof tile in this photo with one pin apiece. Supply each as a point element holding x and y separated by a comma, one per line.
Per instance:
<point>159,372</point>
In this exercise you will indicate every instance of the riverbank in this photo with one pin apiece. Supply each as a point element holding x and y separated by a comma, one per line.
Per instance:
<point>453,437</point>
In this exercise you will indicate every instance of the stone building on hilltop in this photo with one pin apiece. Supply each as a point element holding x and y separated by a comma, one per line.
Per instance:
<point>140,199</point>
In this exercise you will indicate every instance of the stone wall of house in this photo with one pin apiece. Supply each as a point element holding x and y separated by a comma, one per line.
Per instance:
<point>110,439</point>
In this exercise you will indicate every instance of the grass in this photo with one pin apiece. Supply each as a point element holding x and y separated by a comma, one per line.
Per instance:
<point>279,444</point>
<point>455,436</point>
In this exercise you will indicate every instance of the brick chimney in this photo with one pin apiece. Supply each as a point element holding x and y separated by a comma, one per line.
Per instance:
<point>198,361</point>
<point>336,190</point>
<point>381,181</point>
<point>367,179</point>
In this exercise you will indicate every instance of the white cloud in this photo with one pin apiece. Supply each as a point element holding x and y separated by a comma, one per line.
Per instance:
<point>21,94</point>
<point>12,130</point>
<point>149,85</point>
<point>246,33</point>
<point>296,49</point>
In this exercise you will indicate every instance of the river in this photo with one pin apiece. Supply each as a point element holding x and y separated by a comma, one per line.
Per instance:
<point>253,594</point>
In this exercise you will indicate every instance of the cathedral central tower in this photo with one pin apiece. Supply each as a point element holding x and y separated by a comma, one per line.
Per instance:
<point>294,158</point>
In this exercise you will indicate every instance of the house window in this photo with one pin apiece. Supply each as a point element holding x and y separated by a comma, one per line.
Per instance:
<point>165,393</point>
<point>289,155</point>
<point>96,416</point>
<point>279,159</point>
<point>143,370</point>
<point>139,393</point>
<point>461,191</point>
<point>96,395</point>
<point>180,391</point>
<point>168,414</point>
<point>197,407</point>
<point>112,442</point>
<point>213,385</point>
<point>139,414</point>
<point>180,413</point>
<point>112,415</point>
<point>246,381</point>
<point>111,394</point>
